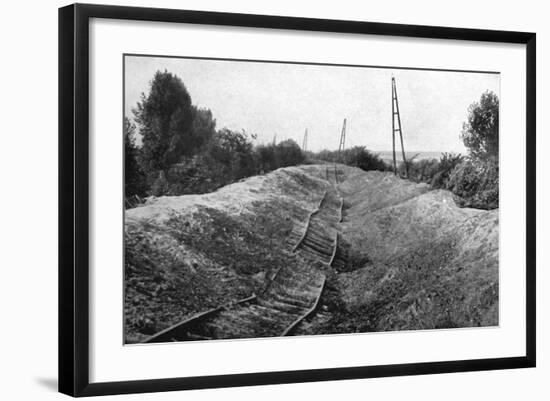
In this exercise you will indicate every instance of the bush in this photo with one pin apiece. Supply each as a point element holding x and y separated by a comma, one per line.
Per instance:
<point>288,153</point>
<point>358,156</point>
<point>480,131</point>
<point>228,157</point>
<point>476,182</point>
<point>432,171</point>
<point>422,170</point>
<point>447,163</point>
<point>135,184</point>
<point>182,152</point>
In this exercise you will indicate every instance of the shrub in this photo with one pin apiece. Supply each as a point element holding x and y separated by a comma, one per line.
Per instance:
<point>288,153</point>
<point>182,152</point>
<point>480,131</point>
<point>422,170</point>
<point>358,156</point>
<point>446,165</point>
<point>476,183</point>
<point>134,178</point>
<point>432,171</point>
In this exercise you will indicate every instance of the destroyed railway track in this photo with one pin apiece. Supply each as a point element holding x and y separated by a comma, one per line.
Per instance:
<point>291,295</point>
<point>321,238</point>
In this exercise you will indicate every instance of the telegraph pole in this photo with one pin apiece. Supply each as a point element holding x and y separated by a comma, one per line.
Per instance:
<point>395,112</point>
<point>342,141</point>
<point>304,143</point>
<point>341,147</point>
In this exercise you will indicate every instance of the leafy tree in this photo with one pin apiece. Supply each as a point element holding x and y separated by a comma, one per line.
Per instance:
<point>234,150</point>
<point>204,125</point>
<point>165,118</point>
<point>288,153</point>
<point>134,180</point>
<point>266,158</point>
<point>480,131</point>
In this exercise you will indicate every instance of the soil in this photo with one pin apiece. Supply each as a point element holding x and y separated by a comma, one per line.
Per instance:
<point>415,260</point>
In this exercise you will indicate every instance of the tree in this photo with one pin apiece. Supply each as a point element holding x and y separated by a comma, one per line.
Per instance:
<point>165,119</point>
<point>288,153</point>
<point>134,180</point>
<point>233,150</point>
<point>204,125</point>
<point>480,131</point>
<point>359,156</point>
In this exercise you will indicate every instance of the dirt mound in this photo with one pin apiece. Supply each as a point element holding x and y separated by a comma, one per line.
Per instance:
<point>421,261</point>
<point>414,258</point>
<point>190,253</point>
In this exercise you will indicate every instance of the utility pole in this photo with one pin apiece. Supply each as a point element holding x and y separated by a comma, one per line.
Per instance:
<point>342,141</point>
<point>304,144</point>
<point>341,147</point>
<point>395,112</point>
<point>275,139</point>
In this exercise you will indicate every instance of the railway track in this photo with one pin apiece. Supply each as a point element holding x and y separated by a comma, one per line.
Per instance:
<point>320,240</point>
<point>291,295</point>
<point>289,298</point>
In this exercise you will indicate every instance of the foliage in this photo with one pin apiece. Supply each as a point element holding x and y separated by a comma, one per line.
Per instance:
<point>476,183</point>
<point>432,171</point>
<point>480,131</point>
<point>288,153</point>
<point>358,156</point>
<point>182,152</point>
<point>229,157</point>
<point>134,179</point>
<point>475,180</point>
<point>165,118</point>
<point>446,165</point>
<point>204,125</point>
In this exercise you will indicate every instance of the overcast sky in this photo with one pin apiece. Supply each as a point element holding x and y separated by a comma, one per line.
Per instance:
<point>285,99</point>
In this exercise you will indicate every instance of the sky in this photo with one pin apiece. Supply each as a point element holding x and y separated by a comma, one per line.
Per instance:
<point>281,99</point>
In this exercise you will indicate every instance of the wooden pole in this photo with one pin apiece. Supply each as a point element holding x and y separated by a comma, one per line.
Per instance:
<point>400,130</point>
<point>393,126</point>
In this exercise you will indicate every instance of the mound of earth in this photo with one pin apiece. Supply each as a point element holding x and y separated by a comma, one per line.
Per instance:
<point>418,261</point>
<point>190,253</point>
<point>415,259</point>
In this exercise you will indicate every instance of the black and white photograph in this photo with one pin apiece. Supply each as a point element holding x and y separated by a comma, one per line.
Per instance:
<point>273,198</point>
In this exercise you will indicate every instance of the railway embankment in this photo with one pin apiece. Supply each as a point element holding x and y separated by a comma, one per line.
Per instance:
<point>370,252</point>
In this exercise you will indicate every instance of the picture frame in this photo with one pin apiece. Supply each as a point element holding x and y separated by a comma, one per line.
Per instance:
<point>75,191</point>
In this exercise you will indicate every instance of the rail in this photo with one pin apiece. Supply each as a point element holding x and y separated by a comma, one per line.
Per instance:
<point>309,221</point>
<point>307,313</point>
<point>180,329</point>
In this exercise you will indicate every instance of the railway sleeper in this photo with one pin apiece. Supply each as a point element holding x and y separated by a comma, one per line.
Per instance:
<point>302,302</point>
<point>305,246</point>
<point>296,292</point>
<point>318,248</point>
<point>284,308</point>
<point>317,232</point>
<point>315,256</point>
<point>321,234</point>
<point>323,244</point>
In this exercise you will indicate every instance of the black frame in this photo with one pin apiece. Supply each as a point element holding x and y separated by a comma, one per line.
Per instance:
<point>74,192</point>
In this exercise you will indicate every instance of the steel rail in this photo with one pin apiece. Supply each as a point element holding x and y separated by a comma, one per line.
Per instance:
<point>309,221</point>
<point>307,313</point>
<point>178,328</point>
